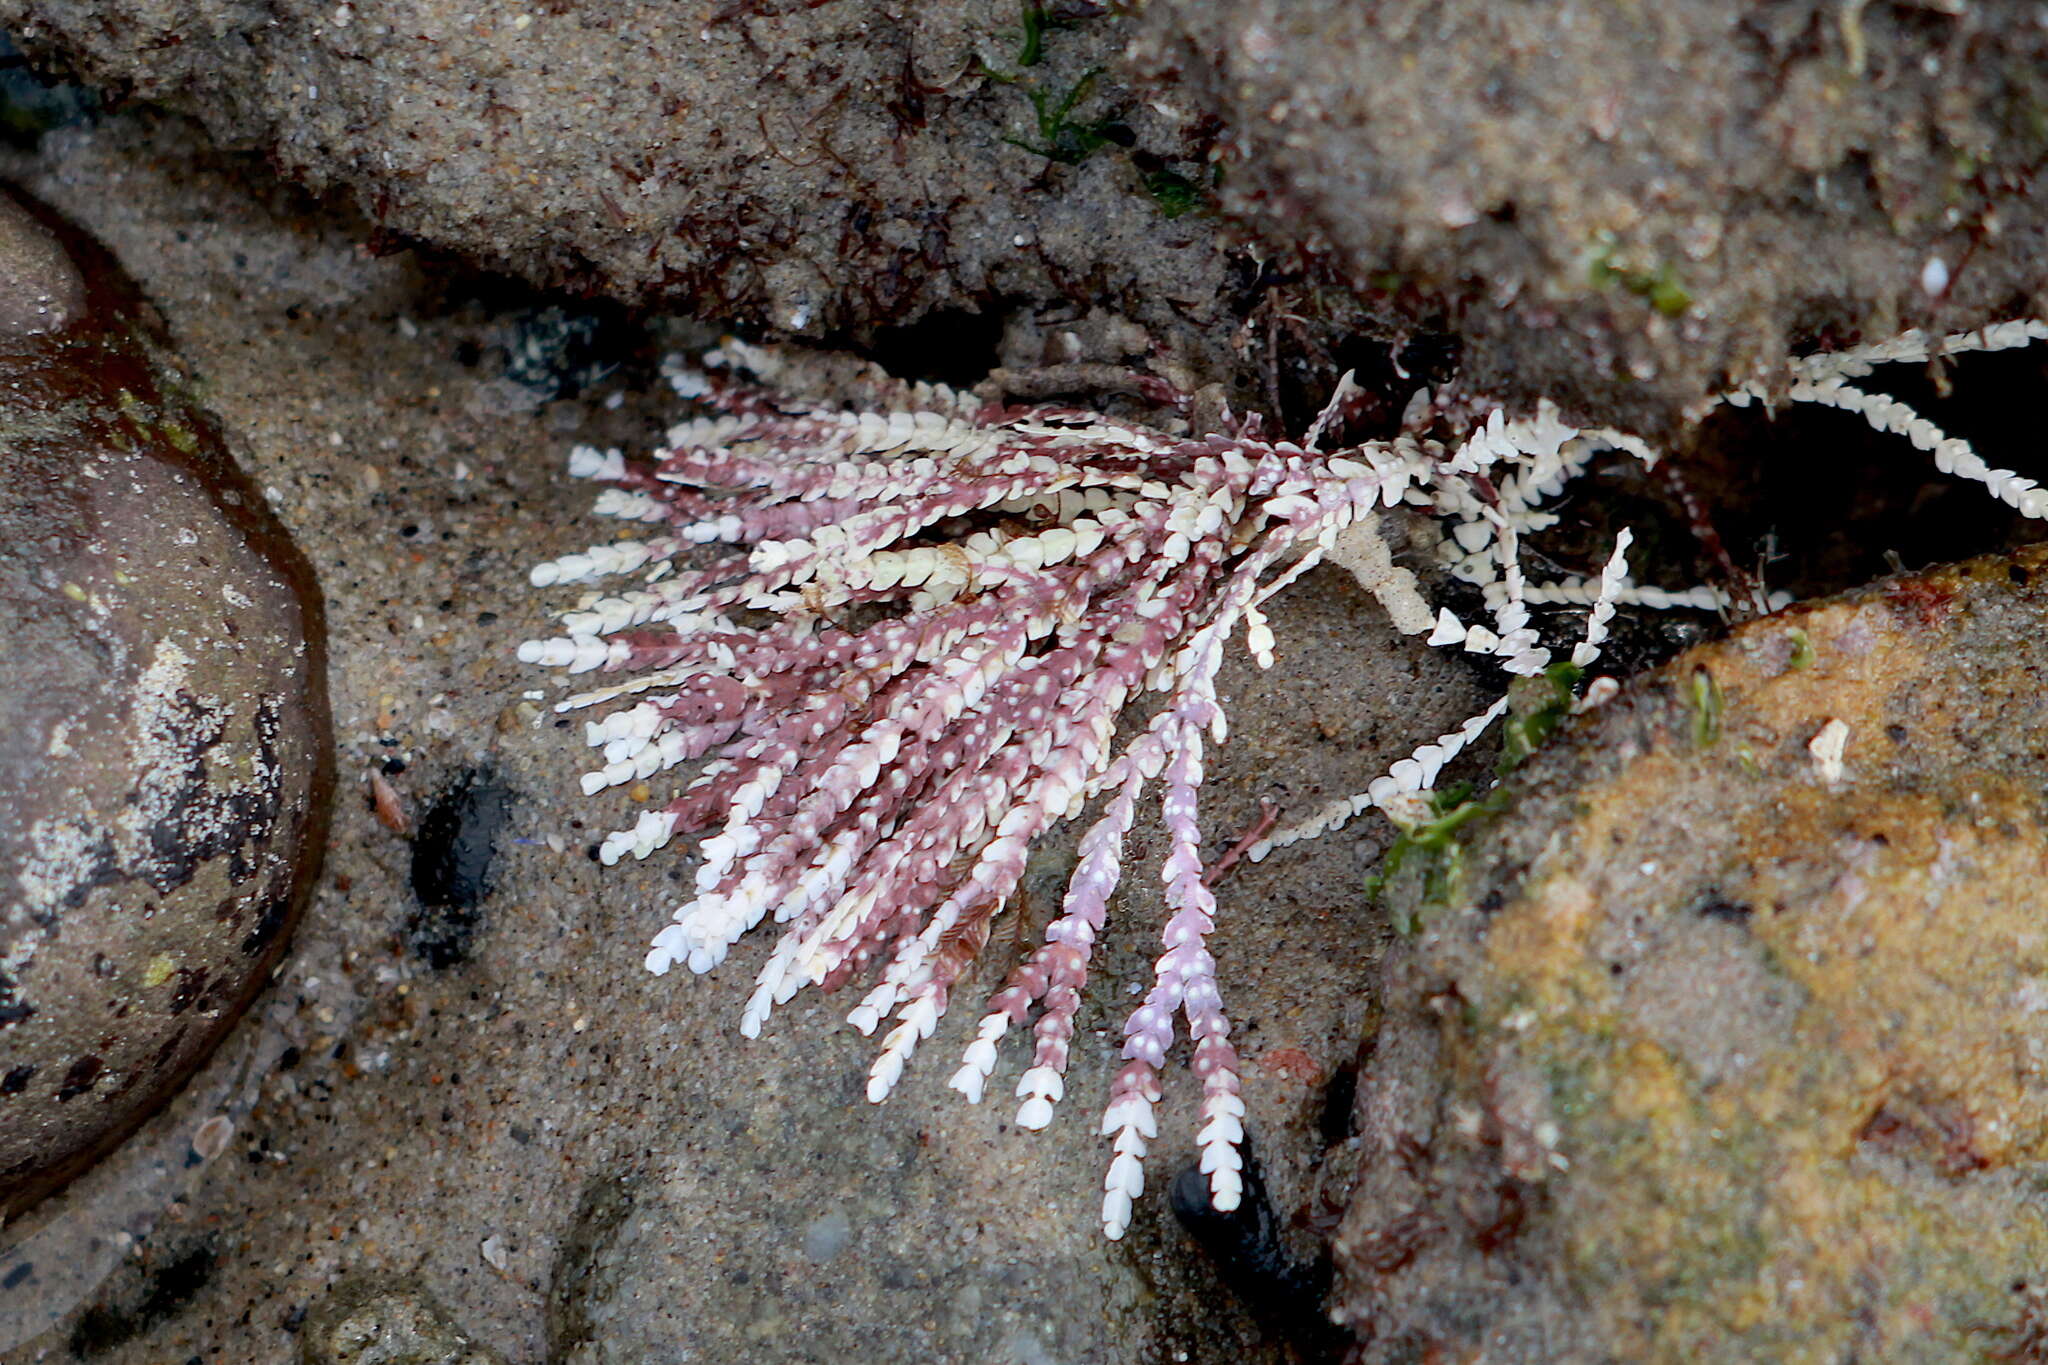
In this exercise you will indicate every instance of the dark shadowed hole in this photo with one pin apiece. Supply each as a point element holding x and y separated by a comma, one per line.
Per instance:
<point>1714,905</point>
<point>1339,1097</point>
<point>453,857</point>
<point>956,348</point>
<point>1822,503</point>
<point>1283,1293</point>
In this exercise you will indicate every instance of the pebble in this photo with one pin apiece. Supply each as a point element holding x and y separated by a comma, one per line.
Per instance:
<point>387,1320</point>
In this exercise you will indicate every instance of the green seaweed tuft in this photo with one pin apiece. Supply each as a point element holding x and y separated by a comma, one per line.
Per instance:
<point>1174,193</point>
<point>1704,698</point>
<point>1659,287</point>
<point>1433,843</point>
<point>1537,705</point>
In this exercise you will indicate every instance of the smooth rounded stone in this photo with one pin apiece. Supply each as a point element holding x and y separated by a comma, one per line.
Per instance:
<point>1728,1038</point>
<point>1622,206</point>
<point>796,166</point>
<point>165,764</point>
<point>386,1320</point>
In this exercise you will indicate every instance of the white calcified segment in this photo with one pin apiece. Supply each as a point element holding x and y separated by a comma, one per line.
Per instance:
<point>604,561</point>
<point>980,1057</point>
<point>630,760</point>
<point>1258,637</point>
<point>610,615</point>
<point>1130,1113</point>
<point>635,723</point>
<point>1537,440</point>
<point>1122,1185</point>
<point>1626,442</point>
<point>1611,578</point>
<point>920,1015</point>
<point>1581,592</point>
<point>649,832</point>
<point>1347,389</point>
<point>1472,536</point>
<point>907,978</point>
<point>1040,1088</point>
<point>1510,639</point>
<point>1823,379</point>
<point>588,462</point>
<point>1221,1140</point>
<point>1130,1121</point>
<point>905,972</point>
<point>1909,347</point>
<point>630,506</point>
<point>1415,773</point>
<point>769,988</point>
<point>577,653</point>
<point>1034,570</point>
<point>1952,455</point>
<point>1523,486</point>
<point>718,921</point>
<point>1598,693</point>
<point>702,433</point>
<point>634,686</point>
<point>1066,505</point>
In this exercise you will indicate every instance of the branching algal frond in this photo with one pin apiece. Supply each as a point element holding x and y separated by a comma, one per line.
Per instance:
<point>961,601</point>
<point>913,664</point>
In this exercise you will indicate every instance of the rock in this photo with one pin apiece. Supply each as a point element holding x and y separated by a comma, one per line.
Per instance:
<point>1620,207</point>
<point>165,766</point>
<point>1727,1036</point>
<point>1534,179</point>
<point>31,105</point>
<point>793,166</point>
<point>387,1320</point>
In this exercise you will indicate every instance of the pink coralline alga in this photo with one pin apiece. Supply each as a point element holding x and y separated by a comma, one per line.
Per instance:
<point>909,660</point>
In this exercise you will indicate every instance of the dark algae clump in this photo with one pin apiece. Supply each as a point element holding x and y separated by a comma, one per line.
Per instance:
<point>452,864</point>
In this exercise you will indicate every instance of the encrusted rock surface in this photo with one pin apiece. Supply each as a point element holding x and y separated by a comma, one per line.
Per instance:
<point>164,762</point>
<point>791,166</point>
<point>1614,208</point>
<point>1617,206</point>
<point>1730,1040</point>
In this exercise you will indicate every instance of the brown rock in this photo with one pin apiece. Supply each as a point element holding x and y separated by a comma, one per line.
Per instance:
<point>1726,1036</point>
<point>1621,207</point>
<point>165,763</point>
<point>792,166</point>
